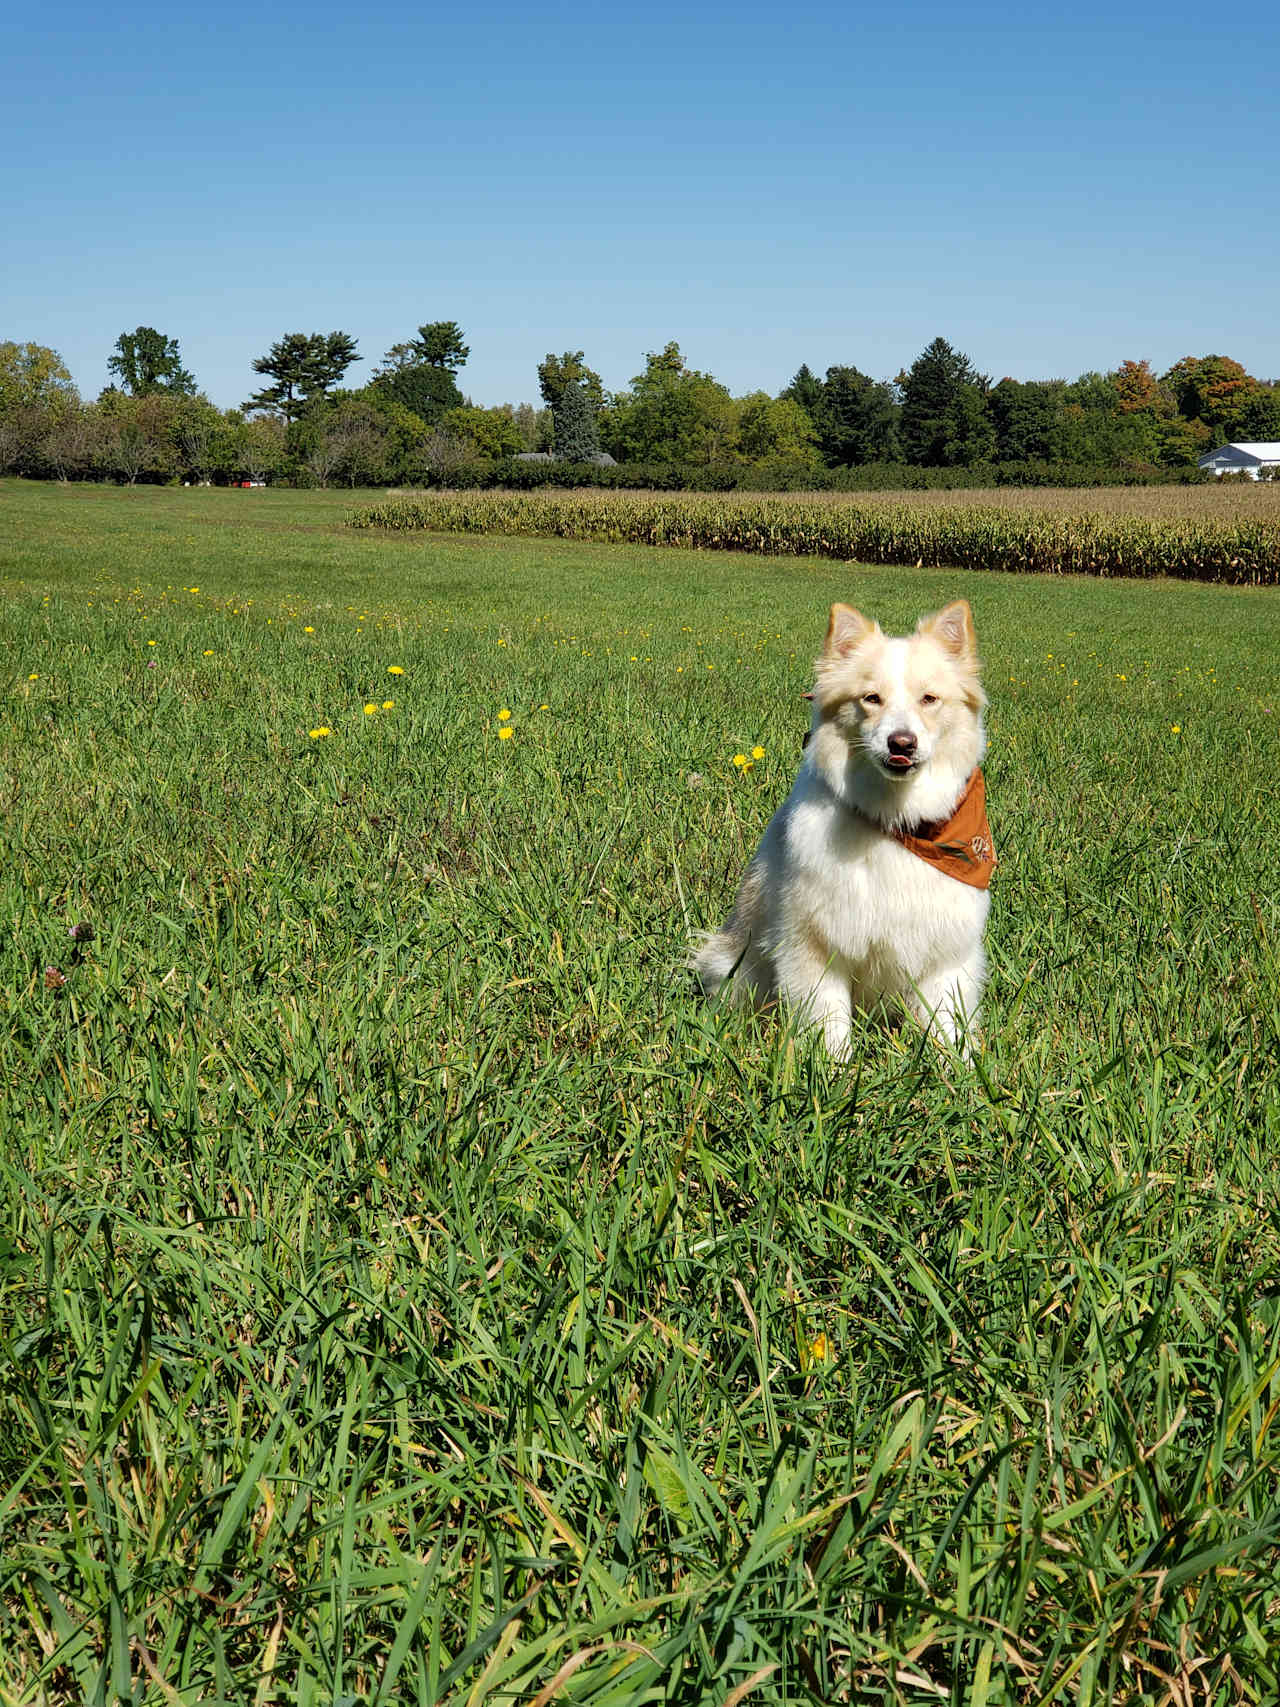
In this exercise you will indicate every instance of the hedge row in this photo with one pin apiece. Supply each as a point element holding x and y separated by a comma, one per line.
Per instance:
<point>783,475</point>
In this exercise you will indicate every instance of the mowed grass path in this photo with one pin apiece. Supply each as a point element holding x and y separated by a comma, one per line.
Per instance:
<point>409,1292</point>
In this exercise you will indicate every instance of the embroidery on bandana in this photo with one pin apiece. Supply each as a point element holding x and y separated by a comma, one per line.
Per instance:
<point>961,847</point>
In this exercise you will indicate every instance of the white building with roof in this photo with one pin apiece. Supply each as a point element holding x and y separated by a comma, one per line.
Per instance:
<point>1255,460</point>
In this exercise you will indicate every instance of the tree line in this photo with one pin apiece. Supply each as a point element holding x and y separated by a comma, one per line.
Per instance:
<point>410,422</point>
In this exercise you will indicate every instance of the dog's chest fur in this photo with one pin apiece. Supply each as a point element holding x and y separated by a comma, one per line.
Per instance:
<point>846,883</point>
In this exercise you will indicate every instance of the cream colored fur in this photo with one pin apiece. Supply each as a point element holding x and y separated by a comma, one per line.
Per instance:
<point>833,914</point>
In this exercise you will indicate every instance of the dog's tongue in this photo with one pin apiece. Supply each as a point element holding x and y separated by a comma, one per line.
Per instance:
<point>899,762</point>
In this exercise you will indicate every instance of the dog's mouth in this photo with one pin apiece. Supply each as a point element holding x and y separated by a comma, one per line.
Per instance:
<point>898,764</point>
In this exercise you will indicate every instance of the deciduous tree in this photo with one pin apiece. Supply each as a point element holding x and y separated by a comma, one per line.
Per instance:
<point>1025,414</point>
<point>137,435</point>
<point>1214,390</point>
<point>775,427</point>
<point>491,432</point>
<point>556,372</point>
<point>37,396</point>
<point>198,432</point>
<point>33,374</point>
<point>671,414</point>
<point>69,444</point>
<point>259,447</point>
<point>145,361</point>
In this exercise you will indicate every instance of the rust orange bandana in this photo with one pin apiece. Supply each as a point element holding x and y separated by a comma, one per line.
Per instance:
<point>962,846</point>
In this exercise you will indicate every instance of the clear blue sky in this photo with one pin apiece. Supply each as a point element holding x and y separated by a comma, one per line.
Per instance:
<point>1051,191</point>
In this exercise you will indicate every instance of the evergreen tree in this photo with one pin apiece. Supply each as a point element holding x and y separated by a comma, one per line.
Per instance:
<point>577,439</point>
<point>806,390</point>
<point>439,344</point>
<point>304,366</point>
<point>856,418</point>
<point>420,374</point>
<point>945,422</point>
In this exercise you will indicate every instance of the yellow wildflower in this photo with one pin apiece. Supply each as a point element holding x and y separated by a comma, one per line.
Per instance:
<point>504,716</point>
<point>1176,728</point>
<point>506,732</point>
<point>318,734</point>
<point>388,705</point>
<point>308,631</point>
<point>741,761</point>
<point>394,670</point>
<point>370,709</point>
<point>757,752</point>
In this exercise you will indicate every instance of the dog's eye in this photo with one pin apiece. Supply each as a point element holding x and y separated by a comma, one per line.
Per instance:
<point>871,699</point>
<point>928,699</point>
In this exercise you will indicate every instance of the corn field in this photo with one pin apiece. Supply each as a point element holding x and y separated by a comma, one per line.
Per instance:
<point>1208,534</point>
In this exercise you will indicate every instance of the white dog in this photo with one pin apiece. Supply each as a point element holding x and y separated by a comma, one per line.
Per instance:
<point>869,887</point>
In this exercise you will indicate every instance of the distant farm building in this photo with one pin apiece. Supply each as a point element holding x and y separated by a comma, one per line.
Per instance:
<point>1255,460</point>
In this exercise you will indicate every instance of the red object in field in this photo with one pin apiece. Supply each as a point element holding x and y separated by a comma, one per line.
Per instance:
<point>246,482</point>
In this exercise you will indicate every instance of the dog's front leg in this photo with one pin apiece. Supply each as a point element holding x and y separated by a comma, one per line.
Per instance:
<point>820,992</point>
<point>947,1003</point>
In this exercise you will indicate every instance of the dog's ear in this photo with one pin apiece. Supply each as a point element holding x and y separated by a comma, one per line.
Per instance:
<point>952,628</point>
<point>846,630</point>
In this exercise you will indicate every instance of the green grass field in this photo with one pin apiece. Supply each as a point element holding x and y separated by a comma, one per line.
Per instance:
<point>410,1293</point>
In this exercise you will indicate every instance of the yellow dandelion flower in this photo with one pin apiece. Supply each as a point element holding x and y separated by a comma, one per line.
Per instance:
<point>308,631</point>
<point>388,705</point>
<point>34,676</point>
<point>819,1349</point>
<point>504,716</point>
<point>741,761</point>
<point>544,708</point>
<point>1176,728</point>
<point>394,670</point>
<point>757,752</point>
<point>208,652</point>
<point>370,709</point>
<point>321,732</point>
<point>506,732</point>
<point>150,642</point>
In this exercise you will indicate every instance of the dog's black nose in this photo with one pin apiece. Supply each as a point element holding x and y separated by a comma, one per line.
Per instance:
<point>902,744</point>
